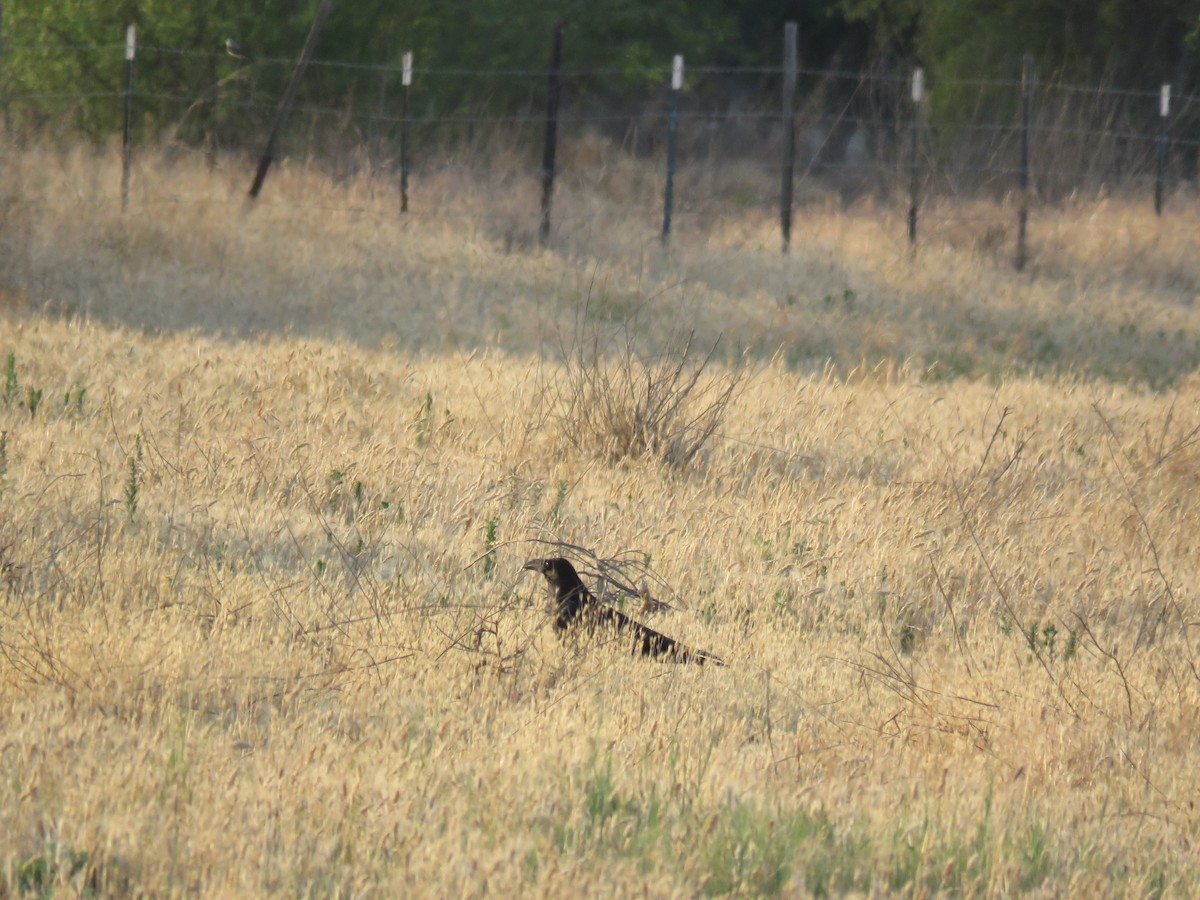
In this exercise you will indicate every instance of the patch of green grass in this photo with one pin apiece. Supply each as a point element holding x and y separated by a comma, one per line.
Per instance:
<point>954,363</point>
<point>756,852</point>
<point>929,861</point>
<point>36,875</point>
<point>749,852</point>
<point>742,848</point>
<point>611,823</point>
<point>924,862</point>
<point>1032,848</point>
<point>745,848</point>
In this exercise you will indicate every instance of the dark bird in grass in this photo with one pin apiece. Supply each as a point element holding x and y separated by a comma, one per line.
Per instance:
<point>236,50</point>
<point>575,607</point>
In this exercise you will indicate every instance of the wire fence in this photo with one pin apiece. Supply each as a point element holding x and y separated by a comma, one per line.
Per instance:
<point>724,138</point>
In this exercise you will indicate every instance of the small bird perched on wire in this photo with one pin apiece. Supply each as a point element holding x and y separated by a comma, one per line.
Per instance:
<point>575,607</point>
<point>236,50</point>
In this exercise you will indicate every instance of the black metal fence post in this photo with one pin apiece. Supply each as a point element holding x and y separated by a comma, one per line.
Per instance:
<point>672,140</point>
<point>1164,111</point>
<point>1026,119</point>
<point>127,138</point>
<point>790,64</point>
<point>918,91</point>
<point>406,84</point>
<point>548,150</point>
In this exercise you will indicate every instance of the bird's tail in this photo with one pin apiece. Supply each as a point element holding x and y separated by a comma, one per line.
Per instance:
<point>697,657</point>
<point>658,645</point>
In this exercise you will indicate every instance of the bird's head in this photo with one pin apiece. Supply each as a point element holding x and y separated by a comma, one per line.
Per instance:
<point>235,49</point>
<point>557,570</point>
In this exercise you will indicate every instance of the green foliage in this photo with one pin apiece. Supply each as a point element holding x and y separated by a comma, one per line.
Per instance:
<point>964,43</point>
<point>1044,638</point>
<point>335,482</point>
<point>190,89</point>
<point>891,23</point>
<point>36,874</point>
<point>1031,636</point>
<point>849,295</point>
<point>489,544</point>
<point>73,403</point>
<point>11,386</point>
<point>35,400</point>
<point>1072,645</point>
<point>560,495</point>
<point>632,41</point>
<point>370,31</point>
<point>132,482</point>
<point>908,638</point>
<point>424,420</point>
<point>1121,40</point>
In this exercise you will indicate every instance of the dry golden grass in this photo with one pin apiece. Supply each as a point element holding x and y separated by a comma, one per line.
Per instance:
<point>252,642</point>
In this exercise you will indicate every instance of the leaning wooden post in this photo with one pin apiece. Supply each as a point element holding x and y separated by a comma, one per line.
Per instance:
<point>672,140</point>
<point>914,184</point>
<point>790,64</point>
<point>289,96</point>
<point>548,151</point>
<point>1026,119</point>
<point>127,139</point>
<point>406,83</point>
<point>1164,111</point>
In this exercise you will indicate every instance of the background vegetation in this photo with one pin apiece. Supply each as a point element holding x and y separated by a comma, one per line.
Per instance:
<point>268,476</point>
<point>624,44</point>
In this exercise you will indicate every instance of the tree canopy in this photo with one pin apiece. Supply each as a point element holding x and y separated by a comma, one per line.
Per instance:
<point>1126,43</point>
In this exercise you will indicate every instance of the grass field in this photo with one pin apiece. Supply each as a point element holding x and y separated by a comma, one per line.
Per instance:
<point>268,477</point>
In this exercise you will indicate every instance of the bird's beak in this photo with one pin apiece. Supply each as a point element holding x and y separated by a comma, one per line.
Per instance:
<point>533,564</point>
